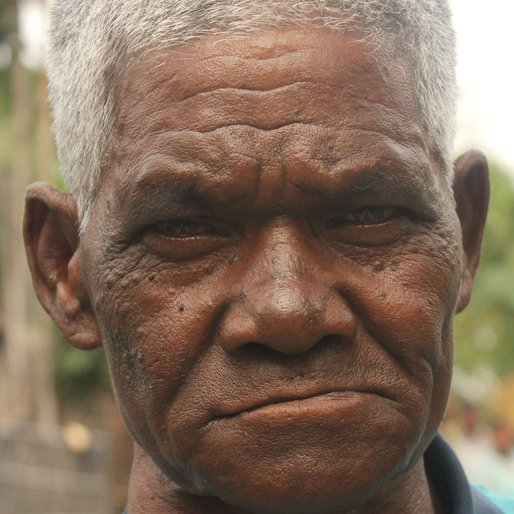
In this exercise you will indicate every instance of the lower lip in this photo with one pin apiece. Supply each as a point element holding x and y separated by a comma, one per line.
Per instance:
<point>328,404</point>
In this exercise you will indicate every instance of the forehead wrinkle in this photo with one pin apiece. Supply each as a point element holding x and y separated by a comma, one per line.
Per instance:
<point>206,112</point>
<point>396,145</point>
<point>290,52</point>
<point>243,48</point>
<point>207,74</point>
<point>297,101</point>
<point>244,88</point>
<point>169,120</point>
<point>187,150</point>
<point>180,88</point>
<point>181,79</point>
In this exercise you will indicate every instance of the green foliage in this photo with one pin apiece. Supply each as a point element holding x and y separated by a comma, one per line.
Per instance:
<point>79,373</point>
<point>4,120</point>
<point>484,332</point>
<point>7,19</point>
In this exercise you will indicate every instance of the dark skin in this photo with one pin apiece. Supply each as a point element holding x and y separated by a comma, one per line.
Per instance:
<point>272,266</point>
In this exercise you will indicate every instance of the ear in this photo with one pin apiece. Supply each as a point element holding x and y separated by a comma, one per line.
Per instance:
<point>50,231</point>
<point>471,192</point>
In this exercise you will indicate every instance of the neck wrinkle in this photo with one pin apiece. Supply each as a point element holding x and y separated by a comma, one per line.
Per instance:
<point>150,492</point>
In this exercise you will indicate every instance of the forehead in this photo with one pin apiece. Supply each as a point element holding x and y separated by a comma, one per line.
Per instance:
<point>310,107</point>
<point>253,74</point>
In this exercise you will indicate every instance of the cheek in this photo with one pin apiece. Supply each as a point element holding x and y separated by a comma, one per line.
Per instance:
<point>408,308</point>
<point>415,291</point>
<point>155,334</point>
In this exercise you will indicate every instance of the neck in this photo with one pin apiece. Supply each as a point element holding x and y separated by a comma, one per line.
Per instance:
<point>150,492</point>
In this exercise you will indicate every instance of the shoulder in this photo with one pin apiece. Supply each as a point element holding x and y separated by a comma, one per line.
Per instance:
<point>449,480</point>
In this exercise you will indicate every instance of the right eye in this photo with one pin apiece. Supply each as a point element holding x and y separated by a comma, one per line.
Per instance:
<point>185,239</point>
<point>183,229</point>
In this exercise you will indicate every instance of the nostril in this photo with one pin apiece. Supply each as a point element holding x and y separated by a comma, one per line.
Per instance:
<point>331,340</point>
<point>260,352</point>
<point>274,352</point>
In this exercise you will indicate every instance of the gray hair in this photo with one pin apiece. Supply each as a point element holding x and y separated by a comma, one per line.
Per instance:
<point>90,38</point>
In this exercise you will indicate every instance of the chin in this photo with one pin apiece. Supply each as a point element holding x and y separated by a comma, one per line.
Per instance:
<point>317,471</point>
<point>306,490</point>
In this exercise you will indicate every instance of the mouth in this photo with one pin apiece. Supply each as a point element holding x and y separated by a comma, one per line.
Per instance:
<point>298,405</point>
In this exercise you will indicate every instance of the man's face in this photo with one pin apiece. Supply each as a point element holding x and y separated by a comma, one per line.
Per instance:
<point>274,263</point>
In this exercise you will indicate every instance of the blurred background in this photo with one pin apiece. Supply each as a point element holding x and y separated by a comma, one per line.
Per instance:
<point>63,446</point>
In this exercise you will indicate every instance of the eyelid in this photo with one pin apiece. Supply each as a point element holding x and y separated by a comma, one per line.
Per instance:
<point>337,231</point>
<point>186,247</point>
<point>208,227</point>
<point>390,213</point>
<point>161,226</point>
<point>387,213</point>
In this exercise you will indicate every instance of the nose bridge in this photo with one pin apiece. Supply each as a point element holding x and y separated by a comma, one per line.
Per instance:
<point>288,303</point>
<point>283,296</point>
<point>282,266</point>
<point>282,256</point>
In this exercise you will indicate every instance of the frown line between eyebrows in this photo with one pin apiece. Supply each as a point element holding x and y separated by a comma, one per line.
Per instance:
<point>165,181</point>
<point>166,197</point>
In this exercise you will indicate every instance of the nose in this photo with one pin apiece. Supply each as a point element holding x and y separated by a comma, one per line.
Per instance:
<point>288,303</point>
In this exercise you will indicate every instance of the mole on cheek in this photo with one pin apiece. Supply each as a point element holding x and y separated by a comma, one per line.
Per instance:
<point>378,267</point>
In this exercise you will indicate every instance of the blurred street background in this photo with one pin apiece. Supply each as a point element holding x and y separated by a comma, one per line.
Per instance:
<point>63,446</point>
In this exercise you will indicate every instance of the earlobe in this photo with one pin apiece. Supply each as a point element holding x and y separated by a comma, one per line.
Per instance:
<point>471,192</point>
<point>50,230</point>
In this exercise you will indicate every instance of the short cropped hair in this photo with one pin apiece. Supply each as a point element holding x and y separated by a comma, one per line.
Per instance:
<point>89,39</point>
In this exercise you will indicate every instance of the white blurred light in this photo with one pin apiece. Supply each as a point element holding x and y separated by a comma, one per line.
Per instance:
<point>486,78</point>
<point>32,26</point>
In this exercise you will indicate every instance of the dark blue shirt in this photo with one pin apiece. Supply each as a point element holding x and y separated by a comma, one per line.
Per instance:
<point>446,475</point>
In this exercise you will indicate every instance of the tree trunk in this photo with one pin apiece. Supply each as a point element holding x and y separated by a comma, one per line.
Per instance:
<point>28,345</point>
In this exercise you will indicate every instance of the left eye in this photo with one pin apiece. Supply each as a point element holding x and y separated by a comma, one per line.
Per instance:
<point>372,215</point>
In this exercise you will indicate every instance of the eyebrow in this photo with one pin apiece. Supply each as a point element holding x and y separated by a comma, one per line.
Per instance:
<point>184,193</point>
<point>167,192</point>
<point>384,179</point>
<point>400,182</point>
<point>162,183</point>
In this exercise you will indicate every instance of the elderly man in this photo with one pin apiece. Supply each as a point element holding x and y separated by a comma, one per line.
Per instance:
<point>267,236</point>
